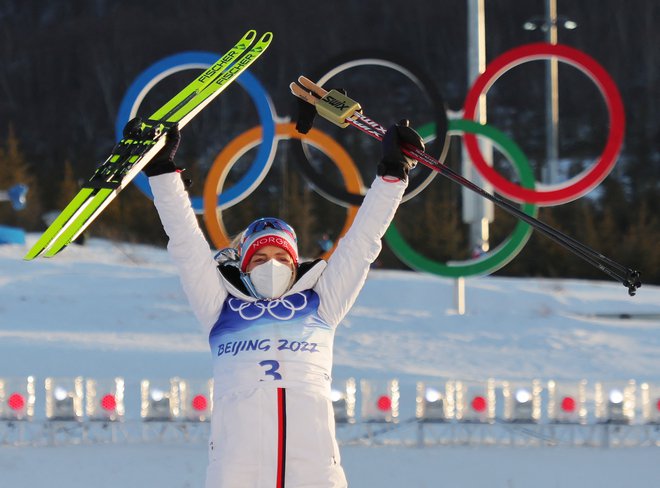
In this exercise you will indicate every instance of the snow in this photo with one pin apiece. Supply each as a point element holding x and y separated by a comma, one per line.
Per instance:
<point>105,309</point>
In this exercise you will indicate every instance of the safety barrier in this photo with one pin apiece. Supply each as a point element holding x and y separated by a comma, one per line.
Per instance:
<point>453,412</point>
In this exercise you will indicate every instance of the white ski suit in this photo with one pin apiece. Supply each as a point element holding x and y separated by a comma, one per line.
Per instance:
<point>273,423</point>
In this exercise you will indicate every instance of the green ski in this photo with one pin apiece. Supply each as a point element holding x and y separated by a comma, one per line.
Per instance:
<point>131,154</point>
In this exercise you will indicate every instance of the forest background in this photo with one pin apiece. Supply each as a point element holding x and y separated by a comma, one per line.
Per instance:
<point>65,67</point>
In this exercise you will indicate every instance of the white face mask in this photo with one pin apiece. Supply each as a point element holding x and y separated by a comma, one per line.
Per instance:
<point>271,279</point>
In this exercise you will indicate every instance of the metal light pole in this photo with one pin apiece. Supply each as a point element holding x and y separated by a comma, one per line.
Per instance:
<point>551,97</point>
<point>477,212</point>
<point>550,24</point>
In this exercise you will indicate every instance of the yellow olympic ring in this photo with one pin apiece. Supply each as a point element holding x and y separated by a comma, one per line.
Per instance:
<point>248,139</point>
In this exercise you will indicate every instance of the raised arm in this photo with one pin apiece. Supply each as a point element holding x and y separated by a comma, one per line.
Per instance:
<point>347,269</point>
<point>187,245</point>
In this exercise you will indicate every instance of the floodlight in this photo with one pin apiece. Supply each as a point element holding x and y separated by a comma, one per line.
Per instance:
<point>567,402</point>
<point>64,398</point>
<point>196,399</point>
<point>616,397</point>
<point>522,401</point>
<point>433,404</point>
<point>615,407</point>
<point>60,394</point>
<point>380,400</point>
<point>336,395</point>
<point>475,401</point>
<point>615,402</point>
<point>104,399</point>
<point>342,395</point>
<point>543,23</point>
<point>523,396</point>
<point>17,398</point>
<point>160,400</point>
<point>432,395</point>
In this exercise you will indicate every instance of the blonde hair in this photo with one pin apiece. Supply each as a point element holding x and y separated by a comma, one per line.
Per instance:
<point>235,241</point>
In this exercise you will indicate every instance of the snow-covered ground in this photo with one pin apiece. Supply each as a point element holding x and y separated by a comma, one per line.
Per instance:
<point>106,310</point>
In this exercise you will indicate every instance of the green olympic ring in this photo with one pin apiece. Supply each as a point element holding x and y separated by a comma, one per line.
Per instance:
<point>502,254</point>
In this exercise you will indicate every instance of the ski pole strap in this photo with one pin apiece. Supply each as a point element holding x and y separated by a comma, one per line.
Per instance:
<point>337,107</point>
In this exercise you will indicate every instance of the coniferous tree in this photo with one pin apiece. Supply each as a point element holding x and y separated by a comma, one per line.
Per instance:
<point>14,169</point>
<point>69,186</point>
<point>299,212</point>
<point>639,244</point>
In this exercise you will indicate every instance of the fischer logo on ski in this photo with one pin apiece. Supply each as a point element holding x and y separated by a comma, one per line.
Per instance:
<point>211,72</point>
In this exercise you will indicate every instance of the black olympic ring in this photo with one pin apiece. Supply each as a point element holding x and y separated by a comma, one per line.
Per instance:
<point>439,145</point>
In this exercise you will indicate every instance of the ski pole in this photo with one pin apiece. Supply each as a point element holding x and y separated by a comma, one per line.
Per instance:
<point>342,111</point>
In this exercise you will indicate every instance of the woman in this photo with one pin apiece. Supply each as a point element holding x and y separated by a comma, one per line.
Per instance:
<point>271,322</point>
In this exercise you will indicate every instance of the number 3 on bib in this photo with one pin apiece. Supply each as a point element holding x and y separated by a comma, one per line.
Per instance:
<point>273,367</point>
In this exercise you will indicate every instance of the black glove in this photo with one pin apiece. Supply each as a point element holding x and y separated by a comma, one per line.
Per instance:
<point>133,128</point>
<point>306,116</point>
<point>394,162</point>
<point>163,162</point>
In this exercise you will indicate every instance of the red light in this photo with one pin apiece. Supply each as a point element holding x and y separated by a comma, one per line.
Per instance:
<point>568,404</point>
<point>199,403</point>
<point>16,401</point>
<point>109,403</point>
<point>657,405</point>
<point>479,404</point>
<point>384,403</point>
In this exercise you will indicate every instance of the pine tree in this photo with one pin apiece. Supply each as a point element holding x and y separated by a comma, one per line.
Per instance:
<point>639,247</point>
<point>14,169</point>
<point>68,187</point>
<point>298,212</point>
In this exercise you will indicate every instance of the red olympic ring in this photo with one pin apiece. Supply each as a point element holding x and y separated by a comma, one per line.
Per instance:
<point>582,183</point>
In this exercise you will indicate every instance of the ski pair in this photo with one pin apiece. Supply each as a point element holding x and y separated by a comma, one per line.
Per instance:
<point>131,154</point>
<point>342,111</point>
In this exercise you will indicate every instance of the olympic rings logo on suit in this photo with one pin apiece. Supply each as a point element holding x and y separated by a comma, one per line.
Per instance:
<point>267,135</point>
<point>273,307</point>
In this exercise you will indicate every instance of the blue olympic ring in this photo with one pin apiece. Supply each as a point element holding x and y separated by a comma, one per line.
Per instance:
<point>198,59</point>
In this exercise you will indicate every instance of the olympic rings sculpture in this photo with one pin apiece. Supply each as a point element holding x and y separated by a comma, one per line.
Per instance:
<point>266,136</point>
<point>509,248</point>
<point>423,176</point>
<point>580,184</point>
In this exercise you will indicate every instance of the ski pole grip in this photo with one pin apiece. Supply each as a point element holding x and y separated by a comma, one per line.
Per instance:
<point>337,107</point>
